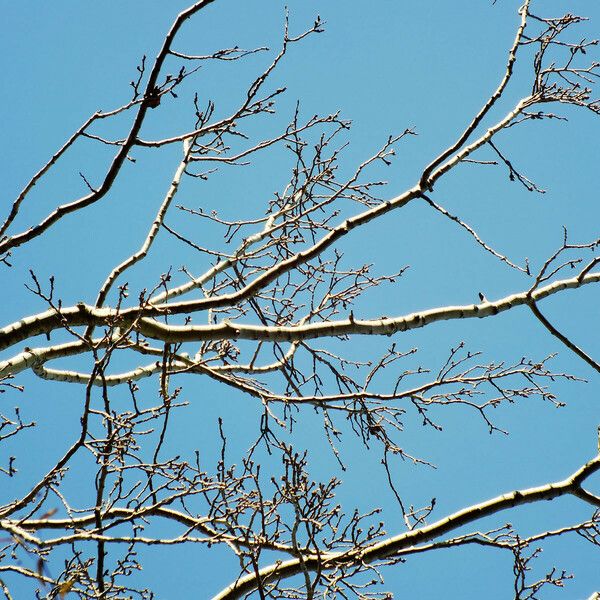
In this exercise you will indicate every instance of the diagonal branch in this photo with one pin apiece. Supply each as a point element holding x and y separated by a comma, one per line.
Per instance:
<point>395,545</point>
<point>563,338</point>
<point>115,167</point>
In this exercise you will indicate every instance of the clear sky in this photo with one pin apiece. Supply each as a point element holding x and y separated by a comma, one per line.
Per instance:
<point>387,65</point>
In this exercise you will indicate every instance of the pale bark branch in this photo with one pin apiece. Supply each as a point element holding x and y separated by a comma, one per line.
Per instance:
<point>563,338</point>
<point>396,544</point>
<point>429,177</point>
<point>83,314</point>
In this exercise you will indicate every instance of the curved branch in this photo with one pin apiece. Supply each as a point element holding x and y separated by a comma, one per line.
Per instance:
<point>136,374</point>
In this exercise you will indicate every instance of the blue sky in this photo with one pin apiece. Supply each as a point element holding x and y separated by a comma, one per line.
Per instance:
<point>387,67</point>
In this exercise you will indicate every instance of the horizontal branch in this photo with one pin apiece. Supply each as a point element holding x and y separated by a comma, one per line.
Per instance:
<point>83,314</point>
<point>119,515</point>
<point>352,326</point>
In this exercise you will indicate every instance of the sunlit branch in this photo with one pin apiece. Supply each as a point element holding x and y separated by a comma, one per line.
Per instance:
<point>391,546</point>
<point>83,314</point>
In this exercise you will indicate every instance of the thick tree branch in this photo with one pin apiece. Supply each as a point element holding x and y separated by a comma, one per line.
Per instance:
<point>83,314</point>
<point>406,541</point>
